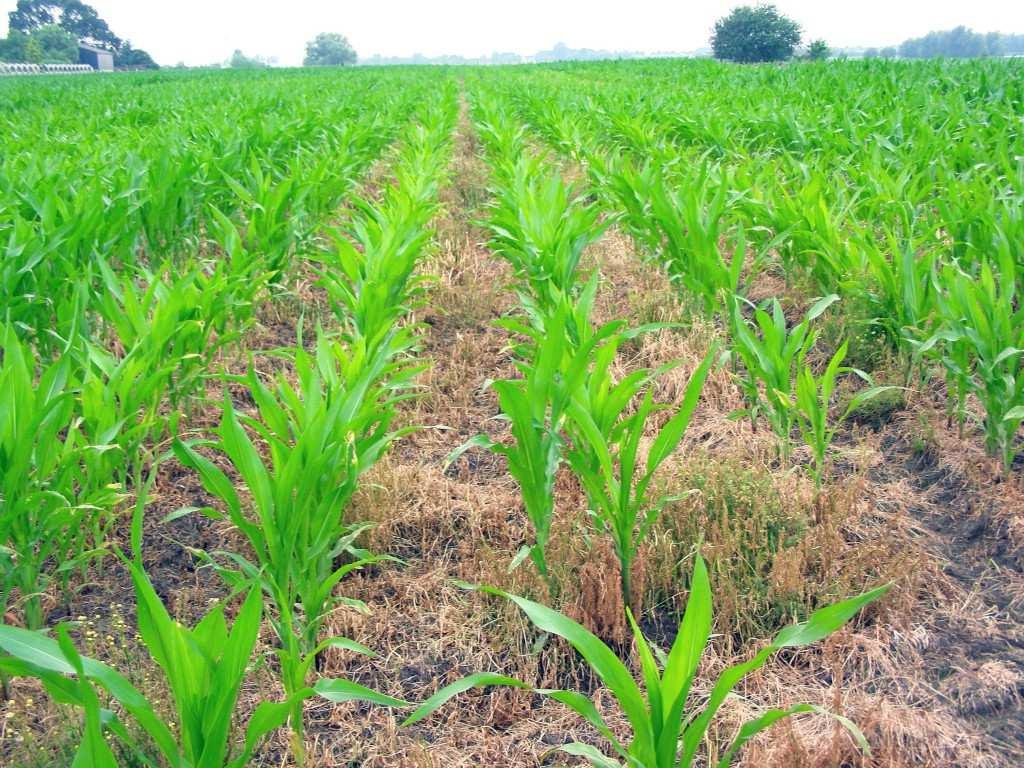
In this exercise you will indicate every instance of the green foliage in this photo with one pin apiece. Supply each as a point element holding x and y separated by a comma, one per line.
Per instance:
<point>14,47</point>
<point>541,226</point>
<point>52,486</point>
<point>818,50</point>
<point>607,428</point>
<point>980,343</point>
<point>73,16</point>
<point>666,732</point>
<point>320,436</point>
<point>812,403</point>
<point>680,216</point>
<point>960,42</point>
<point>323,432</point>
<point>536,407</point>
<point>57,45</point>
<point>755,33</point>
<point>780,384</point>
<point>128,57</point>
<point>773,357</point>
<point>49,44</point>
<point>203,667</point>
<point>329,49</point>
<point>239,60</point>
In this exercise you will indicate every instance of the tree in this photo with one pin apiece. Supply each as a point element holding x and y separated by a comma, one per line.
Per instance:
<point>752,34</point>
<point>74,16</point>
<point>15,47</point>
<point>78,20</point>
<point>133,58</point>
<point>329,49</point>
<point>239,60</point>
<point>56,44</point>
<point>958,43</point>
<point>48,44</point>
<point>33,51</point>
<point>818,50</point>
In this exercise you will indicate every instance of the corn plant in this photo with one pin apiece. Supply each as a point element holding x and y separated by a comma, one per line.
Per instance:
<point>48,492</point>
<point>771,355</point>
<point>536,407</point>
<point>901,292</point>
<point>373,285</point>
<point>980,343</point>
<point>541,227</point>
<point>607,427</point>
<point>680,219</point>
<point>813,397</point>
<point>370,273</point>
<point>816,241</point>
<point>171,323</point>
<point>320,437</point>
<point>203,667</point>
<point>669,722</point>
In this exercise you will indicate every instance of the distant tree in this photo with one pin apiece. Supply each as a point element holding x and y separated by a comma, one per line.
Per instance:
<point>818,50</point>
<point>81,22</point>
<point>133,58</point>
<point>56,45</point>
<point>1013,44</point>
<point>239,60</point>
<point>29,15</point>
<point>960,42</point>
<point>14,48</point>
<point>870,53</point>
<point>751,34</point>
<point>74,16</point>
<point>48,44</point>
<point>33,51</point>
<point>329,49</point>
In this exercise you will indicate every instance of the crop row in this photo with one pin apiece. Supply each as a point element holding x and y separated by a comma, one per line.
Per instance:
<point>83,436</point>
<point>152,178</point>
<point>917,232</point>
<point>567,408</point>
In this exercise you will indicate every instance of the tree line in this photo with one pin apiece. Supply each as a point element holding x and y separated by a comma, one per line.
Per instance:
<point>954,43</point>
<point>49,31</point>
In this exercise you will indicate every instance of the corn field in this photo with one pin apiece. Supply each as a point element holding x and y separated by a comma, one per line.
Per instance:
<point>582,414</point>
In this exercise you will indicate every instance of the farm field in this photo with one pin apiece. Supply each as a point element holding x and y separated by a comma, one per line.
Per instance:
<point>645,398</point>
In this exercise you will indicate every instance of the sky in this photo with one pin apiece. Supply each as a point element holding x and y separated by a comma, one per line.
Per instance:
<point>200,32</point>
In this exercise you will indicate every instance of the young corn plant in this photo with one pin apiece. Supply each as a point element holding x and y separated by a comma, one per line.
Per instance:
<point>679,218</point>
<point>772,354</point>
<point>536,407</point>
<point>274,212</point>
<point>606,428</point>
<point>370,273</point>
<point>901,292</point>
<point>203,667</point>
<point>813,398</point>
<point>669,723</point>
<point>541,227</point>
<point>48,493</point>
<point>980,343</point>
<point>177,319</point>
<point>320,437</point>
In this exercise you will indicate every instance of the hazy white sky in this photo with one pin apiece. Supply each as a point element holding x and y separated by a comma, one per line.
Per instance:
<point>207,31</point>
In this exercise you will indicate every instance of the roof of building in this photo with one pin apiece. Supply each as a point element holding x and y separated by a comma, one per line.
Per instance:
<point>92,48</point>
